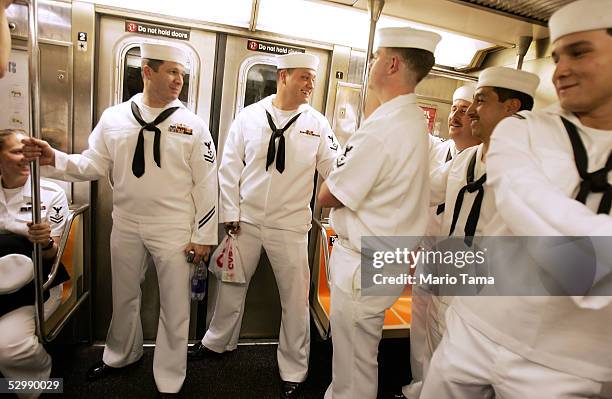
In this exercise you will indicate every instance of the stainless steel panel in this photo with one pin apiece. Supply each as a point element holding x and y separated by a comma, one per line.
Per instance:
<point>112,42</point>
<point>56,95</point>
<point>54,20</point>
<point>83,20</point>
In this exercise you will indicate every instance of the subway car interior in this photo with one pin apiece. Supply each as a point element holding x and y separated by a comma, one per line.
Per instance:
<point>88,54</point>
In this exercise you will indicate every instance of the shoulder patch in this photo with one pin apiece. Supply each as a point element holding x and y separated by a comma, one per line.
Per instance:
<point>209,154</point>
<point>341,160</point>
<point>57,217</point>
<point>333,146</point>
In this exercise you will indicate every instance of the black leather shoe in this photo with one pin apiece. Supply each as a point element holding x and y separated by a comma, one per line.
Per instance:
<point>199,352</point>
<point>166,395</point>
<point>290,390</point>
<point>100,370</point>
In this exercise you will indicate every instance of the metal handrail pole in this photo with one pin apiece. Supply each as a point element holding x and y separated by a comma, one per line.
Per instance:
<point>34,80</point>
<point>375,7</point>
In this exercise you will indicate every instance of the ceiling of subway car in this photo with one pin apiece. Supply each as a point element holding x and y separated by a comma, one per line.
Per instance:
<point>501,22</point>
<point>536,10</point>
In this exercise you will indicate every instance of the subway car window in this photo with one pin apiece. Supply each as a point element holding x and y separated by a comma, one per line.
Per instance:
<point>261,82</point>
<point>132,79</point>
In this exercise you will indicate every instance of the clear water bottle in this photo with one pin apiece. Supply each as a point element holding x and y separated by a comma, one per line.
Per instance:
<point>198,281</point>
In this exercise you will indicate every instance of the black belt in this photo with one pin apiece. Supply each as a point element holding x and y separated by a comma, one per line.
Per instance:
<point>280,157</point>
<point>470,187</point>
<point>594,182</point>
<point>138,163</point>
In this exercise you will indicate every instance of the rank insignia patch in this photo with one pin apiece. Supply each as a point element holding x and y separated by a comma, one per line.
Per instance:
<point>341,160</point>
<point>310,133</point>
<point>57,218</point>
<point>209,154</point>
<point>334,145</point>
<point>180,128</point>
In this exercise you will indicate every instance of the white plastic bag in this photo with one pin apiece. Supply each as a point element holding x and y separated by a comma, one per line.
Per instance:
<point>225,263</point>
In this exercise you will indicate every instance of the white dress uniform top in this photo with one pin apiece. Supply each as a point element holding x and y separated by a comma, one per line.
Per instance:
<point>552,346</point>
<point>253,195</point>
<point>540,145</point>
<point>155,215</point>
<point>21,355</point>
<point>447,181</point>
<point>16,210</point>
<point>274,213</point>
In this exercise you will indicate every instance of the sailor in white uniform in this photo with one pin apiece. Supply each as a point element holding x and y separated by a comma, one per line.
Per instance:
<point>21,354</point>
<point>549,172</point>
<point>459,132</point>
<point>382,195</point>
<point>501,92</point>
<point>272,153</point>
<point>162,160</point>
<point>440,152</point>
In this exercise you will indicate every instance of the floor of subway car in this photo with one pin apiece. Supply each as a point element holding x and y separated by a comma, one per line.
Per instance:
<point>249,372</point>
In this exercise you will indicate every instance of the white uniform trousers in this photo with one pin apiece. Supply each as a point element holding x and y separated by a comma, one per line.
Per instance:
<point>356,324</point>
<point>131,245</point>
<point>288,254</point>
<point>468,365</point>
<point>21,355</point>
<point>421,298</point>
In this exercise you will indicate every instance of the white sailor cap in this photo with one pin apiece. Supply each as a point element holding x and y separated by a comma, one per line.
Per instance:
<point>408,38</point>
<point>508,78</point>
<point>163,52</point>
<point>15,272</point>
<point>580,16</point>
<point>297,60</point>
<point>464,93</point>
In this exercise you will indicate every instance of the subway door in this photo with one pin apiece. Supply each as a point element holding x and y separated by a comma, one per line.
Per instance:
<point>118,79</point>
<point>249,76</point>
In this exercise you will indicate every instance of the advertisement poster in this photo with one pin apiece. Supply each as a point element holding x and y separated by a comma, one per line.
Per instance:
<point>430,116</point>
<point>14,91</point>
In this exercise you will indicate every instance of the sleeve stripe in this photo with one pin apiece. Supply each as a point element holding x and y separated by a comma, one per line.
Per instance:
<point>206,218</point>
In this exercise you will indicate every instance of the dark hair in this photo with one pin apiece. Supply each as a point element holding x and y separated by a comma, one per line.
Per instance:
<point>505,94</point>
<point>153,64</point>
<point>419,60</point>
